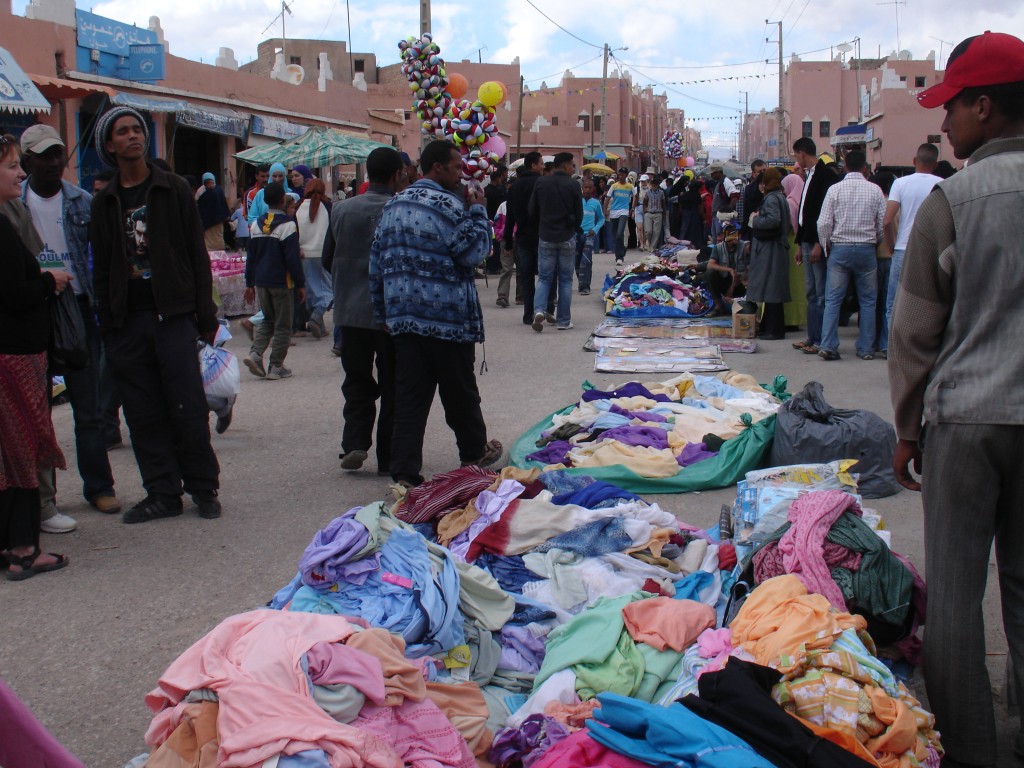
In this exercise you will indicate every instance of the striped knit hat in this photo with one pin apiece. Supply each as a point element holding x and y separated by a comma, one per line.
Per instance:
<point>106,124</point>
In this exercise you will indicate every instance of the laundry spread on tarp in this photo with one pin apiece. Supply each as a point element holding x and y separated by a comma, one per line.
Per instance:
<point>535,617</point>
<point>656,287</point>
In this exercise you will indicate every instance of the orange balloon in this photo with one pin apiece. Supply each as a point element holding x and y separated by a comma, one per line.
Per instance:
<point>457,85</point>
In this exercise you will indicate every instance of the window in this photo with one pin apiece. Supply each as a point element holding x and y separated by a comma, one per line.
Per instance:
<point>825,128</point>
<point>359,65</point>
<point>903,78</point>
<point>597,122</point>
<point>807,129</point>
<point>632,127</point>
<point>585,122</point>
<point>919,82</point>
<point>934,138</point>
<point>554,120</point>
<point>295,60</point>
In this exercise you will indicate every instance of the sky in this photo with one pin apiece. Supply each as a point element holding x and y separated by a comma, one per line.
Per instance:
<point>672,44</point>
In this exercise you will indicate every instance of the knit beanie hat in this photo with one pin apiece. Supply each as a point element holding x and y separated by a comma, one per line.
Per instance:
<point>105,125</point>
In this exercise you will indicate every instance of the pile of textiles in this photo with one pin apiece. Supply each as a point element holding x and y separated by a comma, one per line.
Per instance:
<point>657,288</point>
<point>658,356</point>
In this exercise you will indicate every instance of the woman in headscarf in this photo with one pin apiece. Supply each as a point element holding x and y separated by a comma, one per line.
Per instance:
<point>278,175</point>
<point>795,310</point>
<point>26,431</point>
<point>313,218</point>
<point>769,255</point>
<point>297,177</point>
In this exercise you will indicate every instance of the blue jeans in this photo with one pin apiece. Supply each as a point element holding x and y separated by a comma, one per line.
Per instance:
<point>814,284</point>
<point>608,235</point>
<point>555,260</point>
<point>895,270</point>
<point>859,263</point>
<point>87,397</point>
<point>881,316</point>
<point>319,291</point>
<point>584,261</point>
<point>621,225</point>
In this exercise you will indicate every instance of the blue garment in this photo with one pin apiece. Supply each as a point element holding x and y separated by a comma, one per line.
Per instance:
<point>629,389</point>
<point>668,737</point>
<point>508,570</point>
<point>691,587</point>
<point>427,615</point>
<point>593,539</point>
<point>593,217</point>
<point>846,262</point>
<point>241,225</point>
<point>585,261</point>
<point>555,262</point>
<point>422,262</point>
<point>77,215</point>
<point>814,288</point>
<point>258,206</point>
<point>559,482</point>
<point>274,253</point>
<point>593,494</point>
<point>307,758</point>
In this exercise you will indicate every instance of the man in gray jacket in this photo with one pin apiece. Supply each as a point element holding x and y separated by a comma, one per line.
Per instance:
<point>364,342</point>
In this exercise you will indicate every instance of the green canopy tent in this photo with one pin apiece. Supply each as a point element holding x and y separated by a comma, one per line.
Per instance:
<point>317,148</point>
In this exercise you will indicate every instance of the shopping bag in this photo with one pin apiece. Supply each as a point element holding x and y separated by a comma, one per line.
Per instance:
<point>219,367</point>
<point>69,350</point>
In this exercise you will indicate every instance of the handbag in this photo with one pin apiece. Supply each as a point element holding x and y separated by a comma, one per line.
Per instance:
<point>69,350</point>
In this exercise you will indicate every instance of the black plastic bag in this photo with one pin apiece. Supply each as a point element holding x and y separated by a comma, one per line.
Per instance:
<point>810,431</point>
<point>69,350</point>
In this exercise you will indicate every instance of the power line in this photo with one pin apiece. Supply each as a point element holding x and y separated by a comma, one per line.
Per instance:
<point>680,93</point>
<point>570,34</point>
<point>791,26</point>
<point>561,71</point>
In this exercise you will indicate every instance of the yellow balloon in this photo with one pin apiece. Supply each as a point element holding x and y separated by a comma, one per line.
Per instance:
<point>491,93</point>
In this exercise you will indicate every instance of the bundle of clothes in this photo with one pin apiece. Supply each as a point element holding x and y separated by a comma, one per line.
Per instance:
<point>540,618</point>
<point>657,287</point>
<point>654,429</point>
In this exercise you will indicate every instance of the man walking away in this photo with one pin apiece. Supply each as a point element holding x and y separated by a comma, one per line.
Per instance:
<point>364,341</point>
<point>955,366</point>
<point>654,215</point>
<point>59,212</point>
<point>620,199</point>
<point>272,270</point>
<point>819,176</point>
<point>558,205</point>
<point>521,230</point>
<point>430,238</point>
<point>850,226</point>
<point>593,220</point>
<point>154,294</point>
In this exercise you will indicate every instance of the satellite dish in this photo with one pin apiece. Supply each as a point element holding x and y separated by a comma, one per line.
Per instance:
<point>294,74</point>
<point>844,47</point>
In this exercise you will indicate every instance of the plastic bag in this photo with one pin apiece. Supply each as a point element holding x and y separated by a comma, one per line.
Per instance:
<point>809,430</point>
<point>221,377</point>
<point>69,350</point>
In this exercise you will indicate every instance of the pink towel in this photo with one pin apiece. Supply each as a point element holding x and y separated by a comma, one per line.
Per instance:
<point>803,545</point>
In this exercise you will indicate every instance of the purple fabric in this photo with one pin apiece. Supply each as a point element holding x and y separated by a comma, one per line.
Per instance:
<point>648,437</point>
<point>329,557</point>
<point>552,453</point>
<point>24,742</point>
<point>525,745</point>
<point>629,389</point>
<point>521,650</point>
<point>911,644</point>
<point>642,415</point>
<point>693,453</point>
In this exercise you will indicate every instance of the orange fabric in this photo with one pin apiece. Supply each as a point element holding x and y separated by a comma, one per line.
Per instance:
<point>780,621</point>
<point>464,705</point>
<point>664,622</point>
<point>194,743</point>
<point>659,538</point>
<point>844,740</point>
<point>402,680</point>
<point>573,716</point>
<point>901,734</point>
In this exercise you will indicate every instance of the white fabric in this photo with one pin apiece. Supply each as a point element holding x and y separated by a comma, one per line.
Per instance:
<point>48,219</point>
<point>312,233</point>
<point>491,505</point>
<point>910,191</point>
<point>561,686</point>
<point>563,587</point>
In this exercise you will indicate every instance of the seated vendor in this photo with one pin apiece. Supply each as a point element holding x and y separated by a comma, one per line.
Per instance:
<point>726,274</point>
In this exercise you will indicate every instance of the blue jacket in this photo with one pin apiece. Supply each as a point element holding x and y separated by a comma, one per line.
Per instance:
<point>422,264</point>
<point>274,253</point>
<point>77,215</point>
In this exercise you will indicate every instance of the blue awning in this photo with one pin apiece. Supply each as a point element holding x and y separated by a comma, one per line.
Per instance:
<point>148,103</point>
<point>17,91</point>
<point>849,134</point>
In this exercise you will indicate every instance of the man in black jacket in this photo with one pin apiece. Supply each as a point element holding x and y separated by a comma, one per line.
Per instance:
<point>519,222</point>
<point>154,295</point>
<point>819,177</point>
<point>557,204</point>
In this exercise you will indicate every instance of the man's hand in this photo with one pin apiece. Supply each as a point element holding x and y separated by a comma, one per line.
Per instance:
<point>474,197</point>
<point>249,295</point>
<point>907,451</point>
<point>816,254</point>
<point>302,295</point>
<point>799,256</point>
<point>210,337</point>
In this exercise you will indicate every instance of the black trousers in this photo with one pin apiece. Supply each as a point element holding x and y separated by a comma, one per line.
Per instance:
<point>424,365</point>
<point>526,277</point>
<point>363,349</point>
<point>773,320</point>
<point>19,518</point>
<point>155,365</point>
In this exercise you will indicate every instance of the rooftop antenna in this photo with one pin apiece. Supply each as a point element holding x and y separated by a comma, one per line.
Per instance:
<point>896,3</point>
<point>284,41</point>
<point>942,43</point>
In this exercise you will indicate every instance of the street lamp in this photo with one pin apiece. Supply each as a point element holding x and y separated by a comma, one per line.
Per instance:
<point>604,91</point>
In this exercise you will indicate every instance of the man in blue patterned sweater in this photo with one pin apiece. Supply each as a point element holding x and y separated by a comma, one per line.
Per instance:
<point>429,240</point>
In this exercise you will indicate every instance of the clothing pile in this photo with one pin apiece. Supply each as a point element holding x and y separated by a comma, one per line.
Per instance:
<point>657,288</point>
<point>658,355</point>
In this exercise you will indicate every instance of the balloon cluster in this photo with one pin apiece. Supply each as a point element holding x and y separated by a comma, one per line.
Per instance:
<point>672,143</point>
<point>444,113</point>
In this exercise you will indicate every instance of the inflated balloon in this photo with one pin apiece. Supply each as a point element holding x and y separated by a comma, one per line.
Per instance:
<point>495,145</point>
<point>491,93</point>
<point>457,85</point>
<point>689,162</point>
<point>672,144</point>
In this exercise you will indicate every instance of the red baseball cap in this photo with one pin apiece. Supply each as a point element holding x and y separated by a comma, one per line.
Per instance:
<point>993,58</point>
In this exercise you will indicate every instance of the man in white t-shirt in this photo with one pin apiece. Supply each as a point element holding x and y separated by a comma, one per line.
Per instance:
<point>905,198</point>
<point>60,214</point>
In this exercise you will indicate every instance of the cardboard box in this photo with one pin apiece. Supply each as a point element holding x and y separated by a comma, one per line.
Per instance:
<point>744,326</point>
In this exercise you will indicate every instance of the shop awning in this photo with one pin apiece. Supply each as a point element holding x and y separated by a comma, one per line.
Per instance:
<point>17,91</point>
<point>849,134</point>
<point>226,122</point>
<point>149,103</point>
<point>58,88</point>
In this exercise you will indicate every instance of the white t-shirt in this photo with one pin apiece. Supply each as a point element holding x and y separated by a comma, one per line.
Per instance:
<point>48,219</point>
<point>910,191</point>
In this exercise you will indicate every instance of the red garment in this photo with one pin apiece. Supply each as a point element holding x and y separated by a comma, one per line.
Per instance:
<point>768,560</point>
<point>444,493</point>
<point>581,751</point>
<point>26,430</point>
<point>248,197</point>
<point>726,557</point>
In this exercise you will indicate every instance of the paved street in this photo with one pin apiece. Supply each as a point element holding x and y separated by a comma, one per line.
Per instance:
<point>83,646</point>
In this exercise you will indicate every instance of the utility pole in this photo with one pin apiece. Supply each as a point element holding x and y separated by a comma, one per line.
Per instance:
<point>746,130</point>
<point>424,16</point>
<point>591,128</point>
<point>604,98</point>
<point>781,113</point>
<point>519,130</point>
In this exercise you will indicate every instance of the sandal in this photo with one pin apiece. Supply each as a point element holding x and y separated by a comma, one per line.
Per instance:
<point>26,564</point>
<point>802,345</point>
<point>494,453</point>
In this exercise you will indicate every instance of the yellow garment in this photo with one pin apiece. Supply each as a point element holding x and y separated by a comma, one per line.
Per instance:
<point>659,538</point>
<point>780,622</point>
<point>646,462</point>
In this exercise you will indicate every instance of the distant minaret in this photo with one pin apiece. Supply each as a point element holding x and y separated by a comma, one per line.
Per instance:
<point>424,16</point>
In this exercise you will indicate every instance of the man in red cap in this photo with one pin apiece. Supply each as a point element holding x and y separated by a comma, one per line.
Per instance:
<point>955,368</point>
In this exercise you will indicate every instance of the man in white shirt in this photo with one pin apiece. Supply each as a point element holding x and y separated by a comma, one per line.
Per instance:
<point>905,198</point>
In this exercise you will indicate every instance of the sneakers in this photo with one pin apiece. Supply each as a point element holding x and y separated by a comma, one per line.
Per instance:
<point>550,318</point>
<point>353,460</point>
<point>107,504</point>
<point>278,372</point>
<point>152,508</point>
<point>618,262</point>
<point>336,351</point>
<point>59,523</point>
<point>493,458</point>
<point>568,327</point>
<point>828,354</point>
<point>254,363</point>
<point>316,328</point>
<point>223,422</point>
<point>207,504</point>
<point>584,291</point>
<point>502,302</point>
<point>538,322</point>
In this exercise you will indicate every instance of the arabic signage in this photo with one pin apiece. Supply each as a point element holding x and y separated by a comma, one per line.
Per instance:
<point>114,49</point>
<point>276,127</point>
<point>99,33</point>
